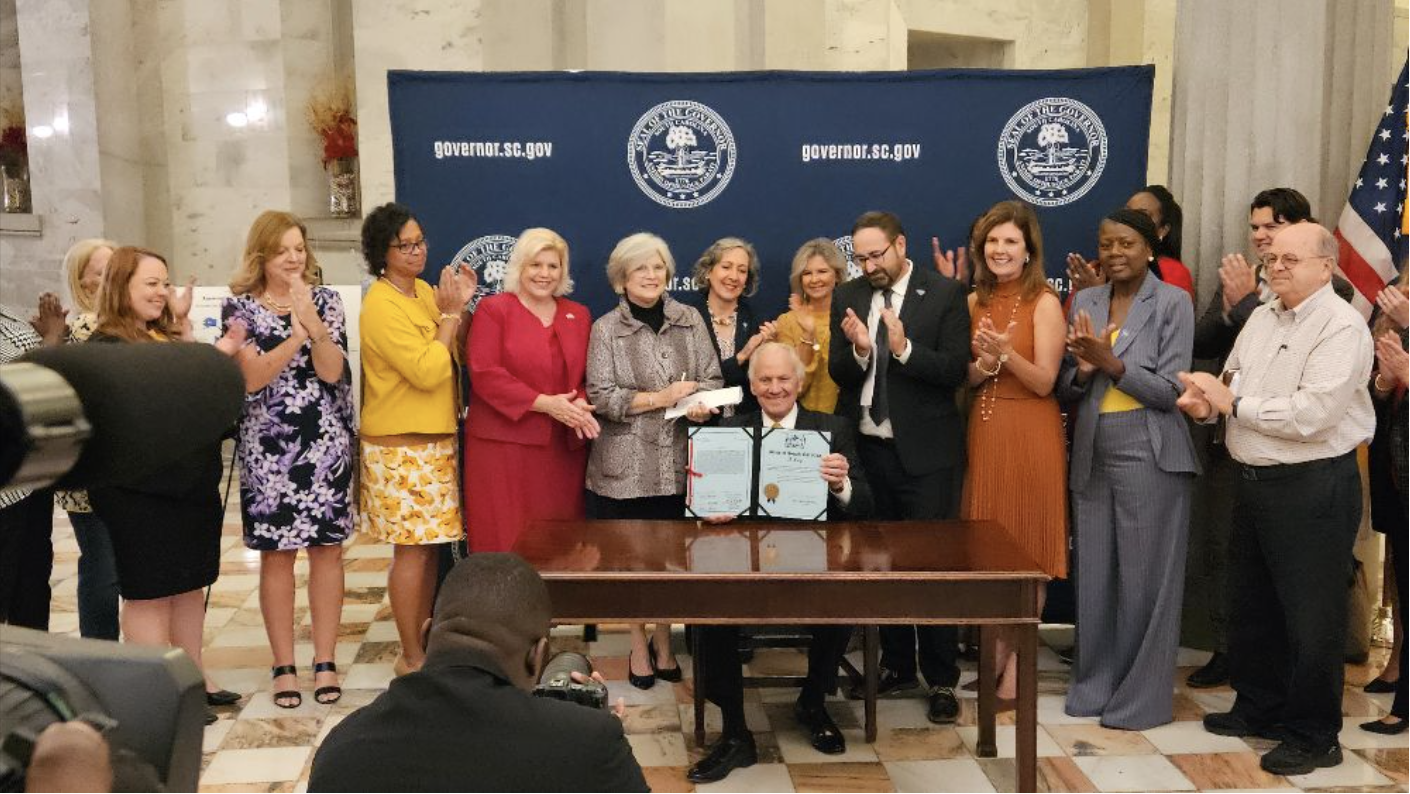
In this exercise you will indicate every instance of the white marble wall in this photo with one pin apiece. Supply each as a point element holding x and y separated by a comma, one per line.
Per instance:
<point>57,78</point>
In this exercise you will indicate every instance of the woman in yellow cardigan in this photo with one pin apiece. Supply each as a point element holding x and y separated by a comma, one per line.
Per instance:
<point>818,268</point>
<point>409,494</point>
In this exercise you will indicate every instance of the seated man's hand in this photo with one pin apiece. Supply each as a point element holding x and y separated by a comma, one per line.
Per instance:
<point>834,470</point>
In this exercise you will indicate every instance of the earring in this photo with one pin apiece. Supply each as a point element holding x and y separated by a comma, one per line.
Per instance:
<point>1026,258</point>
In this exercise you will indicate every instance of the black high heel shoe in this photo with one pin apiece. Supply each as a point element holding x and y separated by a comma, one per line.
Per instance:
<point>327,695</point>
<point>671,674</point>
<point>287,694</point>
<point>641,681</point>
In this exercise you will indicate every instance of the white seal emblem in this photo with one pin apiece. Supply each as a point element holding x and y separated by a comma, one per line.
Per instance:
<point>681,154</point>
<point>844,244</point>
<point>487,256</point>
<point>1052,151</point>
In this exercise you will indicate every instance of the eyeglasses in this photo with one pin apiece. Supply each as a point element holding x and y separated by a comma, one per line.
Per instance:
<point>876,256</point>
<point>407,249</point>
<point>1288,261</point>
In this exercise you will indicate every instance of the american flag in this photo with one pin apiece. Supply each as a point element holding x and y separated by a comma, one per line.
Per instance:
<point>1372,230</point>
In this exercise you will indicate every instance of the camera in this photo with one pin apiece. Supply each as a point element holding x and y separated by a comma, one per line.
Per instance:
<point>557,681</point>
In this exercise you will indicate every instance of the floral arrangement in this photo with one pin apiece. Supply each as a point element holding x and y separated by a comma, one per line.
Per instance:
<point>14,150</point>
<point>330,115</point>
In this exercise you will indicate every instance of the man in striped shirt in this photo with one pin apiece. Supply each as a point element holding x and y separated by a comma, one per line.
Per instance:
<point>1294,398</point>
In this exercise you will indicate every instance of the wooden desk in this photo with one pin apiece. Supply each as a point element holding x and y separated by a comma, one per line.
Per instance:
<point>863,572</point>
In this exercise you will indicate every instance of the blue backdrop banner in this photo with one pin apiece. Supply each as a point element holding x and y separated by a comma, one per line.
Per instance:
<point>774,157</point>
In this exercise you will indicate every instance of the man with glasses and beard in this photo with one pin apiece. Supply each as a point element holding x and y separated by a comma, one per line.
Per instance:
<point>899,349</point>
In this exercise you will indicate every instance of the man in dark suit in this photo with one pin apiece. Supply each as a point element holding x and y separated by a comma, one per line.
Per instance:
<point>900,347</point>
<point>775,378</point>
<point>466,720</point>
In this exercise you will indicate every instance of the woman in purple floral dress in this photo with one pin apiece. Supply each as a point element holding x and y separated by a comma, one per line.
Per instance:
<point>295,442</point>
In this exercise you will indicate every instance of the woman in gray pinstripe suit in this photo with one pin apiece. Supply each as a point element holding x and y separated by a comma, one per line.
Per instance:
<point>1132,463</point>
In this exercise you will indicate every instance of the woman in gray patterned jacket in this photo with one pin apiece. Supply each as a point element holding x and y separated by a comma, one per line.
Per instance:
<point>643,356</point>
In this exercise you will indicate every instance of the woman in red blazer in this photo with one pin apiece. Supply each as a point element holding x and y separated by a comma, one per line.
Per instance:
<point>529,422</point>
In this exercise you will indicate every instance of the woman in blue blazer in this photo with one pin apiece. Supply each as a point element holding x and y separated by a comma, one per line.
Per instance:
<point>1130,473</point>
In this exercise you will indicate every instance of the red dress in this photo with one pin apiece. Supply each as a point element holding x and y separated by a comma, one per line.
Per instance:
<point>521,465</point>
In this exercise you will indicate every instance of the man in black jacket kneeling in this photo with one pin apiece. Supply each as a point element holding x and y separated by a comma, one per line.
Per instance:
<point>466,721</point>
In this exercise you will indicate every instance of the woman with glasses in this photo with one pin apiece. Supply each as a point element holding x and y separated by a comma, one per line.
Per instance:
<point>529,421</point>
<point>643,356</point>
<point>818,267</point>
<point>295,442</point>
<point>1131,468</point>
<point>410,489</point>
<point>725,276</point>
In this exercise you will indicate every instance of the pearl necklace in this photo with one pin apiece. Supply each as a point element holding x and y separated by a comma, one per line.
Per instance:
<point>989,394</point>
<point>393,285</point>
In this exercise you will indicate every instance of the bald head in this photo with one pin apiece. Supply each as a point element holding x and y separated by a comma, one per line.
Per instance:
<point>1301,260</point>
<point>497,604</point>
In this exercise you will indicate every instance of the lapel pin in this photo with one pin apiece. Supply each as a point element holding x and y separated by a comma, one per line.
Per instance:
<point>570,316</point>
<point>920,292</point>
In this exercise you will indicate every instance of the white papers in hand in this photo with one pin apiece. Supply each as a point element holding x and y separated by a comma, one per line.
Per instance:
<point>715,398</point>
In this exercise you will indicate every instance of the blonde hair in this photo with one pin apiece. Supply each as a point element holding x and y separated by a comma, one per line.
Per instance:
<point>716,252</point>
<point>818,246</point>
<point>262,244</point>
<point>631,253</point>
<point>75,262</point>
<point>530,244</point>
<point>116,316</point>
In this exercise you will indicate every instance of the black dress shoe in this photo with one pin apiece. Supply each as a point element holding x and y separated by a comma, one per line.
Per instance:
<point>728,754</point>
<point>825,735</point>
<point>1227,723</point>
<point>211,717</point>
<point>1214,673</point>
<point>222,697</point>
<point>943,709</point>
<point>1291,758</point>
<point>1385,728</point>
<point>889,685</point>
<point>1379,686</point>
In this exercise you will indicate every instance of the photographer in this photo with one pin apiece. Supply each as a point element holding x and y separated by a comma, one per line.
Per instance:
<point>466,721</point>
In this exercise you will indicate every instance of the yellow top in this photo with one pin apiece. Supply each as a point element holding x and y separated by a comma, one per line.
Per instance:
<point>408,378</point>
<point>818,392</point>
<point>1115,400</point>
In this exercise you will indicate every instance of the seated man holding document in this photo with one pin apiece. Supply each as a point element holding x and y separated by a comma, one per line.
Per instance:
<point>775,378</point>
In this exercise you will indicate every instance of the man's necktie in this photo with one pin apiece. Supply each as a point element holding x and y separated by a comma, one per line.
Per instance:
<point>880,409</point>
<point>775,426</point>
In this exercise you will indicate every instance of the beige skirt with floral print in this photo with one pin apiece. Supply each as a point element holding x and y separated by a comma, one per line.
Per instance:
<point>410,495</point>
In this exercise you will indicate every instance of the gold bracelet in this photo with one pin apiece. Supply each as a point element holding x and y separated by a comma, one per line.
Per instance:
<point>998,365</point>
<point>1377,383</point>
<point>448,316</point>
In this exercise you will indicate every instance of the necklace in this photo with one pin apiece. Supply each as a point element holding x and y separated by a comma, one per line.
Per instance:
<point>723,322</point>
<point>276,305</point>
<point>394,286</point>
<point>989,395</point>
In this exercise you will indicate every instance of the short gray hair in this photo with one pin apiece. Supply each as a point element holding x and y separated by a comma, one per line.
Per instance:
<point>531,243</point>
<point>1327,244</point>
<point>632,252</point>
<point>799,368</point>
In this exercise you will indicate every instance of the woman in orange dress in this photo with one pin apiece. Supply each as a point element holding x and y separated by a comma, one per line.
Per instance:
<point>1017,471</point>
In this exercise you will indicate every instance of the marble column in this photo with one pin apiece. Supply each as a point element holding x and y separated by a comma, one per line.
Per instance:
<point>57,77</point>
<point>1270,93</point>
<point>404,34</point>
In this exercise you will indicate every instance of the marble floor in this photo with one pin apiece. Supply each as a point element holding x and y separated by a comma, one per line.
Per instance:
<point>256,746</point>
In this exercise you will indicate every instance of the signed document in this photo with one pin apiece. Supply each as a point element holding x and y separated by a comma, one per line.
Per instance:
<point>715,398</point>
<point>719,475</point>
<point>790,485</point>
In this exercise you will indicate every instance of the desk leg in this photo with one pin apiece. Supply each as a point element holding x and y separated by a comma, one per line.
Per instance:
<point>986,747</point>
<point>696,694</point>
<point>871,651</point>
<point>1026,743</point>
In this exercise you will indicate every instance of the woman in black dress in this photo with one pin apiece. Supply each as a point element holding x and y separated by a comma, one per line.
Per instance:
<point>166,528</point>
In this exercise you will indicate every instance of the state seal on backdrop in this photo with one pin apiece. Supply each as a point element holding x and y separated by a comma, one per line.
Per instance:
<point>681,154</point>
<point>1052,151</point>
<point>844,244</point>
<point>487,256</point>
